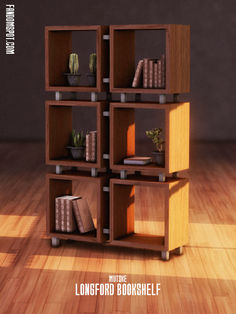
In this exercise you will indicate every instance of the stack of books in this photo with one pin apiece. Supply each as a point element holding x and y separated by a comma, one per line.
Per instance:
<point>72,213</point>
<point>150,73</point>
<point>91,146</point>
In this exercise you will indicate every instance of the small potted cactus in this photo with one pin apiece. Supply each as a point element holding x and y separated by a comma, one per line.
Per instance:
<point>73,77</point>
<point>77,147</point>
<point>93,69</point>
<point>159,154</point>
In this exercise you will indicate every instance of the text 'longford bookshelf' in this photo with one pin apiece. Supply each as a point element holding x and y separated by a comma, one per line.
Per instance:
<point>116,190</point>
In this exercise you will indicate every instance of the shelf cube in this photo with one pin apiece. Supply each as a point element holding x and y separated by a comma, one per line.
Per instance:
<point>81,184</point>
<point>176,130</point>
<point>175,208</point>
<point>59,125</point>
<point>123,57</point>
<point>60,41</point>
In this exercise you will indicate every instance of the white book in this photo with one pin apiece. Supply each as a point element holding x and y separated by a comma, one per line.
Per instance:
<point>137,160</point>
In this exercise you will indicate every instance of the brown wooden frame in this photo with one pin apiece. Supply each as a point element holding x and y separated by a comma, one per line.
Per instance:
<point>58,46</point>
<point>122,136</point>
<point>122,206</point>
<point>58,185</point>
<point>59,127</point>
<point>122,58</point>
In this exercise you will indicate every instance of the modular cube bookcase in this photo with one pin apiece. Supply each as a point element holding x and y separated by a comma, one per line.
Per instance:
<point>112,188</point>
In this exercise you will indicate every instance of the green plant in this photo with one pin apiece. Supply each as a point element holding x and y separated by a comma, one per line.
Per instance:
<point>74,63</point>
<point>154,135</point>
<point>92,63</point>
<point>78,139</point>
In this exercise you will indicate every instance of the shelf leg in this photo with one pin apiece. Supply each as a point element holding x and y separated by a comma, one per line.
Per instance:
<point>161,177</point>
<point>58,169</point>
<point>179,250</point>
<point>175,97</point>
<point>94,96</point>
<point>123,97</point>
<point>123,174</point>
<point>162,99</point>
<point>165,255</point>
<point>94,172</point>
<point>55,242</point>
<point>58,95</point>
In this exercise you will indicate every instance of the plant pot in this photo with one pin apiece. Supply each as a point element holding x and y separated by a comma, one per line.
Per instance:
<point>73,79</point>
<point>77,153</point>
<point>91,79</point>
<point>159,158</point>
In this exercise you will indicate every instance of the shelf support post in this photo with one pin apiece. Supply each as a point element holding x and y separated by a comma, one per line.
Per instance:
<point>123,97</point>
<point>161,177</point>
<point>58,95</point>
<point>55,242</point>
<point>94,96</point>
<point>162,99</point>
<point>165,255</point>
<point>123,174</point>
<point>58,169</point>
<point>94,172</point>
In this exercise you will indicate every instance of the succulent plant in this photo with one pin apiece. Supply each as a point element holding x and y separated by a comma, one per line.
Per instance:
<point>74,63</point>
<point>93,63</point>
<point>154,135</point>
<point>78,139</point>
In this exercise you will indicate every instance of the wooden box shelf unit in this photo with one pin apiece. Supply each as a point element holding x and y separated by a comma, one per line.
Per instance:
<point>58,131</point>
<point>122,208</point>
<point>65,184</point>
<point>58,46</point>
<point>122,136</point>
<point>122,58</point>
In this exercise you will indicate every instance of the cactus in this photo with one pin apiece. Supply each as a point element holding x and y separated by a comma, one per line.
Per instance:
<point>74,63</point>
<point>154,135</point>
<point>93,63</point>
<point>78,139</point>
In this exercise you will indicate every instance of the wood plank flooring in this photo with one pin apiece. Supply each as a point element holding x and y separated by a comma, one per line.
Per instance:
<point>35,278</point>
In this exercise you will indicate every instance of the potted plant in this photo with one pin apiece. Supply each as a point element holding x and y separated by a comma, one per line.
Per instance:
<point>159,154</point>
<point>93,69</point>
<point>73,77</point>
<point>77,147</point>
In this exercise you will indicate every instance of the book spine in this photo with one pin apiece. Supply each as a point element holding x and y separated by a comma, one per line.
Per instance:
<point>159,73</point>
<point>87,151</point>
<point>57,215</point>
<point>63,216</point>
<point>163,71</point>
<point>70,226</point>
<point>93,146</point>
<point>77,216</point>
<point>145,73</point>
<point>150,73</point>
<point>155,75</point>
<point>138,73</point>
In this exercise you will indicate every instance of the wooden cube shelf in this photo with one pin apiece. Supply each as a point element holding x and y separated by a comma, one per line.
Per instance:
<point>58,185</point>
<point>122,207</point>
<point>58,46</point>
<point>122,136</point>
<point>58,131</point>
<point>122,58</point>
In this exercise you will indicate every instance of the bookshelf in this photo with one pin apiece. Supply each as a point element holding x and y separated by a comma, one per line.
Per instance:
<point>114,186</point>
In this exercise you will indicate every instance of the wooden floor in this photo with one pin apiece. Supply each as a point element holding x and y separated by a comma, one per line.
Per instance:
<point>35,278</point>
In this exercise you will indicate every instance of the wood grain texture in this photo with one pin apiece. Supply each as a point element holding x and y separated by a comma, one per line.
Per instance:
<point>35,277</point>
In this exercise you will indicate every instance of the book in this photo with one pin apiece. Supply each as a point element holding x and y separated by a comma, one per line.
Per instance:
<point>64,220</point>
<point>145,73</point>
<point>138,74</point>
<point>159,69</point>
<point>155,74</point>
<point>137,160</point>
<point>82,215</point>
<point>163,71</point>
<point>91,146</point>
<point>150,73</point>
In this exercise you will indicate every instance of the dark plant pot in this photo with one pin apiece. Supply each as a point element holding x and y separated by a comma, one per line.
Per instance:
<point>73,79</point>
<point>91,79</point>
<point>159,158</point>
<point>77,153</point>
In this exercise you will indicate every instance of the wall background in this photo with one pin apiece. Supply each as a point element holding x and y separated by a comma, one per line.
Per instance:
<point>213,58</point>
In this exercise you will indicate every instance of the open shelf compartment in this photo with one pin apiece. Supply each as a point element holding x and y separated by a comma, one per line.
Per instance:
<point>91,188</point>
<point>176,130</point>
<point>59,43</point>
<point>123,57</point>
<point>59,124</point>
<point>175,209</point>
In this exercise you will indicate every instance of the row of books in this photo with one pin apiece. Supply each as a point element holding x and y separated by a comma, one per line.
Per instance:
<point>150,73</point>
<point>91,146</point>
<point>72,213</point>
